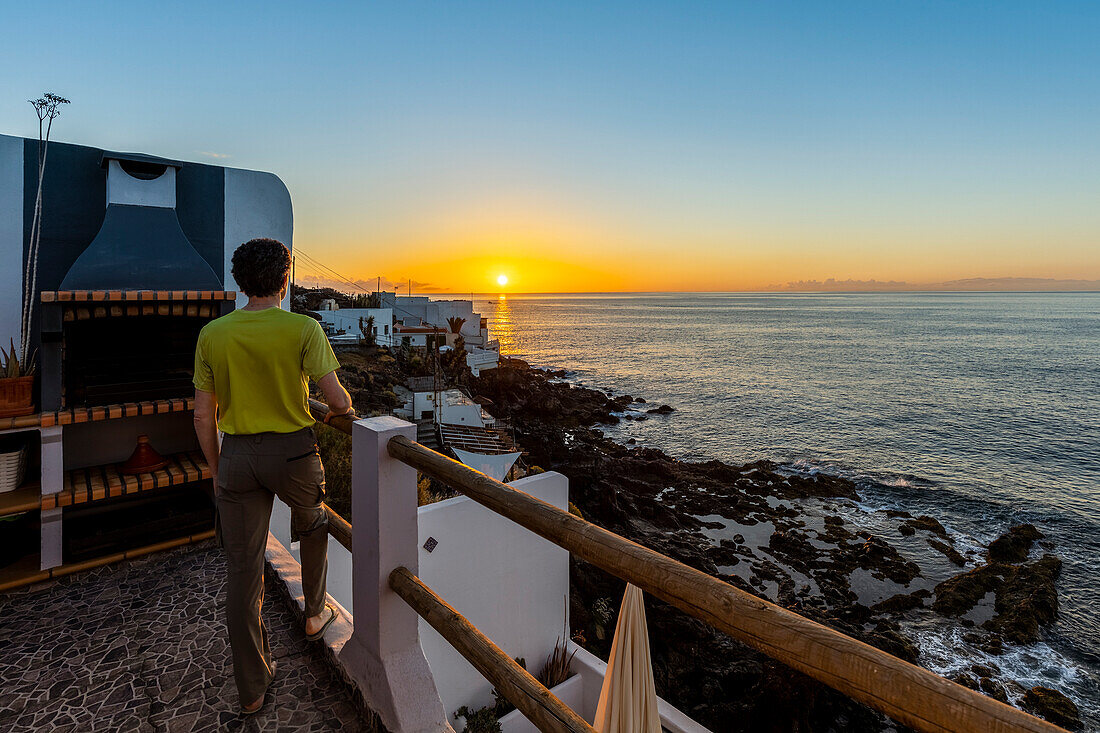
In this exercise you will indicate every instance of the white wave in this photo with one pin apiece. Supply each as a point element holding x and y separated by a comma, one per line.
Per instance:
<point>945,650</point>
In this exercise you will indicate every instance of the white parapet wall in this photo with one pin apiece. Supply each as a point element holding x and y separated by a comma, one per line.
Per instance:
<point>510,583</point>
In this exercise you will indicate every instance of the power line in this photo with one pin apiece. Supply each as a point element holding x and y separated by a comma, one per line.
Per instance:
<point>317,263</point>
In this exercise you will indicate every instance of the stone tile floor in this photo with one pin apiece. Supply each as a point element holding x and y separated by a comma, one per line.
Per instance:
<point>142,646</point>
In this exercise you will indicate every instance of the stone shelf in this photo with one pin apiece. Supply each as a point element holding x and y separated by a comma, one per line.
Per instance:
<point>83,485</point>
<point>23,499</point>
<point>97,296</point>
<point>94,414</point>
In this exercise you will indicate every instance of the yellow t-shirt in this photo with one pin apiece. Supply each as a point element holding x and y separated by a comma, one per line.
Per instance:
<point>258,363</point>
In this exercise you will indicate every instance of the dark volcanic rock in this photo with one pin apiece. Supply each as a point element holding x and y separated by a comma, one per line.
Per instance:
<point>926,523</point>
<point>1014,545</point>
<point>949,552</point>
<point>902,602</point>
<point>1053,706</point>
<point>1025,596</point>
<point>663,503</point>
<point>1027,600</point>
<point>879,557</point>
<point>956,596</point>
<point>662,410</point>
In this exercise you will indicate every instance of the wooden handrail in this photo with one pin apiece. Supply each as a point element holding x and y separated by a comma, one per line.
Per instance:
<point>339,527</point>
<point>541,707</point>
<point>909,694</point>
<point>343,423</point>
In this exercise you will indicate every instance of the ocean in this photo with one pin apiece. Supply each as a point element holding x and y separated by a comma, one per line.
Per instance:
<point>980,409</point>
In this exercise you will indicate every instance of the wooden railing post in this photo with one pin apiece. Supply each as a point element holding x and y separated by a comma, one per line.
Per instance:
<point>384,653</point>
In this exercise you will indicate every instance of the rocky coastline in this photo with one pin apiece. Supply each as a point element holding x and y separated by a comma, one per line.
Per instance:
<point>780,535</point>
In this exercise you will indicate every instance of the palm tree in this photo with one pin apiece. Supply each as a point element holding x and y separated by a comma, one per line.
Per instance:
<point>366,326</point>
<point>455,324</point>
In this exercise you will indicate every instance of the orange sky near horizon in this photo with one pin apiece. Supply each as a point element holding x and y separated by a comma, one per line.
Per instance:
<point>541,255</point>
<point>548,238</point>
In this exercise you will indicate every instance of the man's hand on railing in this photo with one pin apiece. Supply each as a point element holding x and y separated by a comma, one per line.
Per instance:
<point>350,414</point>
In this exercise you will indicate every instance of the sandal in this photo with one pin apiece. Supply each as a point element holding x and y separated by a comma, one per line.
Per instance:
<point>245,712</point>
<point>321,631</point>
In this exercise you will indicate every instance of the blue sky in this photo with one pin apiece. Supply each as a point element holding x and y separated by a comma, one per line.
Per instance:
<point>679,145</point>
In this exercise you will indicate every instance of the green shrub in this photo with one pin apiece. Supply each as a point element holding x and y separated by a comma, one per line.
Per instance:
<point>335,449</point>
<point>482,720</point>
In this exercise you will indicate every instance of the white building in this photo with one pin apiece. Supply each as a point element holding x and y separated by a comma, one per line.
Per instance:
<point>454,407</point>
<point>344,322</point>
<point>420,309</point>
<point>414,328</point>
<point>481,359</point>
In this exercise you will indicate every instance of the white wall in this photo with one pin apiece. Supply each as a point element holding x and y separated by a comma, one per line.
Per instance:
<point>11,238</point>
<point>423,402</point>
<point>462,309</point>
<point>435,312</point>
<point>460,414</point>
<point>510,584</point>
<point>415,339</point>
<point>256,205</point>
<point>122,188</point>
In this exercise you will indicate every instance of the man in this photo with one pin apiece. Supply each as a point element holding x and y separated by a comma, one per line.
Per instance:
<point>251,381</point>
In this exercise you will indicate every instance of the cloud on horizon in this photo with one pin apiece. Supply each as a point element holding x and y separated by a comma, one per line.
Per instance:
<point>965,285</point>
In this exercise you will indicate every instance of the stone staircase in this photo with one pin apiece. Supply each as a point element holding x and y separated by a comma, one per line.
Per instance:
<point>426,435</point>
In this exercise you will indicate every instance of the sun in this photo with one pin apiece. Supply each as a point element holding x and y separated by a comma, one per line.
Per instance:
<point>502,280</point>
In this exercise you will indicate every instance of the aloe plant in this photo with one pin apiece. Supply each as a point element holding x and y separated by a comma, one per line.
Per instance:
<point>10,365</point>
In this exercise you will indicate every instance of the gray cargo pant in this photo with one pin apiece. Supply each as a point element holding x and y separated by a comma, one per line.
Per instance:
<point>252,470</point>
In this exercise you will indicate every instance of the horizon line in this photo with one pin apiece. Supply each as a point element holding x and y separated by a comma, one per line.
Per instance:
<point>960,291</point>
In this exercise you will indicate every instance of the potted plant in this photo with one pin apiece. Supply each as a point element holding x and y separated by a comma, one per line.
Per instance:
<point>16,381</point>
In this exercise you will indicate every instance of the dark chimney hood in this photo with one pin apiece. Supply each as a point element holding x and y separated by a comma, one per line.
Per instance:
<point>140,245</point>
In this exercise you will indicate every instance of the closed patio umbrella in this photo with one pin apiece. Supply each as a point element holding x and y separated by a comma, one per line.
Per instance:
<point>628,700</point>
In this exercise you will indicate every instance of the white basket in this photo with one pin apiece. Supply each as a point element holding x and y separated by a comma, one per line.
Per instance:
<point>13,466</point>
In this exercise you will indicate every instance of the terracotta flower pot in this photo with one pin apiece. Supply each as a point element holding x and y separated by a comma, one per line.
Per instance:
<point>16,397</point>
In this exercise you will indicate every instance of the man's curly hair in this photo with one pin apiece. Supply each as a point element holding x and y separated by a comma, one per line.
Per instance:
<point>261,267</point>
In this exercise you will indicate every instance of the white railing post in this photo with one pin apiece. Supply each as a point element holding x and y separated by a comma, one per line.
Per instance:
<point>384,654</point>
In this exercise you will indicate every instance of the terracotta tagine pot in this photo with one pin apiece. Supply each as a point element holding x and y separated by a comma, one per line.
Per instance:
<point>144,458</point>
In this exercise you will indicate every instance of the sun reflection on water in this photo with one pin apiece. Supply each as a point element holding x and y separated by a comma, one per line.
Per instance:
<point>501,325</point>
